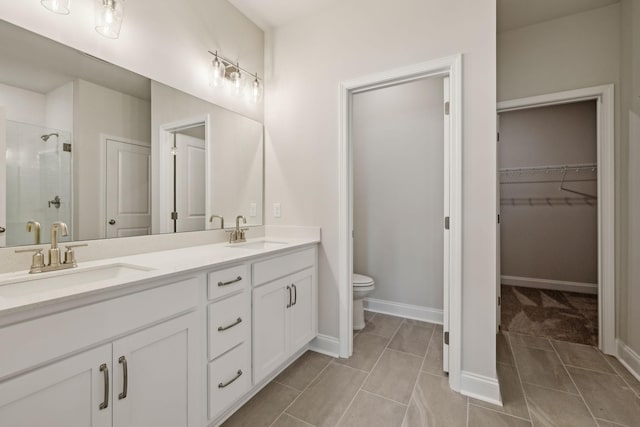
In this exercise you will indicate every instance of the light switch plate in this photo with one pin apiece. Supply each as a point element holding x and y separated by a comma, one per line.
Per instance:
<point>253,209</point>
<point>276,210</point>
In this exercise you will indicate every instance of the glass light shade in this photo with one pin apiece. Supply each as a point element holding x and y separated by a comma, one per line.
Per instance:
<point>109,14</point>
<point>216,76</point>
<point>57,6</point>
<point>254,90</point>
<point>236,85</point>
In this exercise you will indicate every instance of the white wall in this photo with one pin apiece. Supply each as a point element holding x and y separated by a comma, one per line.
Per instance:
<point>541,241</point>
<point>59,108</point>
<point>398,201</point>
<point>307,60</point>
<point>168,43</point>
<point>22,105</point>
<point>117,115</point>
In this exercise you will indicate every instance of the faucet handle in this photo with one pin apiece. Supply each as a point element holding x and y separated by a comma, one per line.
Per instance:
<point>69,255</point>
<point>37,261</point>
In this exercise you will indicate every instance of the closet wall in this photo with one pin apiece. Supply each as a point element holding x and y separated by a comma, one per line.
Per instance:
<point>548,233</point>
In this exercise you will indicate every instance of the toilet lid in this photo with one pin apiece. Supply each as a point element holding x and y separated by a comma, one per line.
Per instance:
<point>361,280</point>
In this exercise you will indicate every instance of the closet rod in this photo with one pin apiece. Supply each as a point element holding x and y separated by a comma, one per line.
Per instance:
<point>582,167</point>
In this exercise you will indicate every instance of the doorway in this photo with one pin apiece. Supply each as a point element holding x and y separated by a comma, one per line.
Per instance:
<point>449,70</point>
<point>555,183</point>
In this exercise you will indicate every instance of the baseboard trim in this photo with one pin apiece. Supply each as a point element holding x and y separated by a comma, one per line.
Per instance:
<point>325,344</point>
<point>408,311</point>
<point>629,358</point>
<point>480,387</point>
<point>555,285</point>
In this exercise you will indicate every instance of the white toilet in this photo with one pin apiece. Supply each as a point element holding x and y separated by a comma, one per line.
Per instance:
<point>362,287</point>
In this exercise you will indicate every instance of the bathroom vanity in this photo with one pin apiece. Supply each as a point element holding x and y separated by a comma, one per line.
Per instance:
<point>174,338</point>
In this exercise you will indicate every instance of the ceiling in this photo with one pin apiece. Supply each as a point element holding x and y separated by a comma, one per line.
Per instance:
<point>514,14</point>
<point>511,13</point>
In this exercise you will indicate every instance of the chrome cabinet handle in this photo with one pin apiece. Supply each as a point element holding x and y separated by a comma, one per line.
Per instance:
<point>289,289</point>
<point>230,282</point>
<point>105,372</point>
<point>295,294</point>
<point>224,328</point>
<point>238,375</point>
<point>125,386</point>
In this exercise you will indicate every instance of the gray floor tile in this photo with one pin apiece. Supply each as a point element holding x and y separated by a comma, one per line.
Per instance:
<point>521,340</point>
<point>503,350</point>
<point>412,339</point>
<point>582,356</point>
<point>608,397</point>
<point>301,372</point>
<point>481,417</point>
<point>550,408</point>
<point>368,410</point>
<point>420,323</point>
<point>624,373</point>
<point>327,398</point>
<point>367,349</point>
<point>394,376</point>
<point>433,404</point>
<point>543,368</point>
<point>604,423</point>
<point>513,402</point>
<point>382,325</point>
<point>368,315</point>
<point>264,408</point>
<point>433,360</point>
<point>286,420</point>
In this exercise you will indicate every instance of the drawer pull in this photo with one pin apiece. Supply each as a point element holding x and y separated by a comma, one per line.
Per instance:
<point>123,361</point>
<point>230,282</point>
<point>238,375</point>
<point>105,372</point>
<point>224,328</point>
<point>289,290</point>
<point>295,294</point>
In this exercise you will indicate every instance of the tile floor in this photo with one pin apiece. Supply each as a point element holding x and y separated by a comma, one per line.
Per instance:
<point>394,378</point>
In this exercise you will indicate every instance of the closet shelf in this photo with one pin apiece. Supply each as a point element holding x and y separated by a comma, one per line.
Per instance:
<point>547,201</point>
<point>582,167</point>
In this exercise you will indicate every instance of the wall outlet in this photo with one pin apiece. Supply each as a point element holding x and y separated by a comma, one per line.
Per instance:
<point>276,210</point>
<point>253,209</point>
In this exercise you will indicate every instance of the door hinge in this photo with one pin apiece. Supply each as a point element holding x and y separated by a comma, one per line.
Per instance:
<point>498,136</point>
<point>446,222</point>
<point>174,216</point>
<point>499,301</point>
<point>446,108</point>
<point>498,218</point>
<point>66,147</point>
<point>446,338</point>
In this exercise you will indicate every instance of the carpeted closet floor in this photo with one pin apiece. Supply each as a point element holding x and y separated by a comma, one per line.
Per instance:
<point>565,316</point>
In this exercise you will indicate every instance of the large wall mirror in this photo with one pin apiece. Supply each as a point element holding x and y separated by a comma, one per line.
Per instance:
<point>112,153</point>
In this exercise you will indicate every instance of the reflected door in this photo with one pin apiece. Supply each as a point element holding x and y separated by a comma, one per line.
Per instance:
<point>128,203</point>
<point>3,180</point>
<point>190,183</point>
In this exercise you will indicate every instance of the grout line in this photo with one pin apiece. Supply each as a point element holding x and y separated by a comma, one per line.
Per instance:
<point>610,422</point>
<point>383,397</point>
<point>614,373</point>
<point>368,375</point>
<point>551,388</point>
<point>468,405</point>
<point>413,391</point>
<point>515,366</point>
<point>622,376</point>
<point>295,418</point>
<point>408,354</point>
<point>499,412</point>
<point>350,367</point>
<point>286,385</point>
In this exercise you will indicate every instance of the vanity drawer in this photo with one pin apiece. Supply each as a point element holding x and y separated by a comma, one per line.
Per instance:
<point>233,316</point>
<point>275,268</point>
<point>229,378</point>
<point>227,281</point>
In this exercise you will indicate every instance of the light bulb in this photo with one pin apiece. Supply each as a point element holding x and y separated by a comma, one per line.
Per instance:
<point>237,81</point>
<point>108,17</point>
<point>57,6</point>
<point>218,70</point>
<point>254,90</point>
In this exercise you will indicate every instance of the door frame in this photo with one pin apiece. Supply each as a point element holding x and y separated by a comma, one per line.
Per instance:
<point>449,66</point>
<point>604,95</point>
<point>102,214</point>
<point>165,169</point>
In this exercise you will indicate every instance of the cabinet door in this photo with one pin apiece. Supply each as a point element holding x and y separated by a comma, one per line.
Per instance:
<point>153,378</point>
<point>68,393</point>
<point>302,314</point>
<point>269,327</point>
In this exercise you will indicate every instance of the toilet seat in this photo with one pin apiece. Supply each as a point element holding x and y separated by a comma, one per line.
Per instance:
<point>360,280</point>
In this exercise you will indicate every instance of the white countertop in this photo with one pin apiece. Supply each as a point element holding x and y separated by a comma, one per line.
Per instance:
<point>156,265</point>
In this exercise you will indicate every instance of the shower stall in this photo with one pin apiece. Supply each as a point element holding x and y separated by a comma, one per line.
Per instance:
<point>38,181</point>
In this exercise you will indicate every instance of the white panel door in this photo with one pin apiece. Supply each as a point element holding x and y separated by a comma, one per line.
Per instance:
<point>128,188</point>
<point>498,248</point>
<point>447,235</point>
<point>68,393</point>
<point>269,327</point>
<point>302,313</point>
<point>3,178</point>
<point>157,363</point>
<point>190,183</point>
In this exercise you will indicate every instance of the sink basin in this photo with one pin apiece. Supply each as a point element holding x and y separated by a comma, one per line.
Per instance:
<point>259,245</point>
<point>44,282</point>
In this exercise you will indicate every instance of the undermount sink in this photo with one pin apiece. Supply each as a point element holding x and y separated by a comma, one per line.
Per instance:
<point>43,282</point>
<point>259,245</point>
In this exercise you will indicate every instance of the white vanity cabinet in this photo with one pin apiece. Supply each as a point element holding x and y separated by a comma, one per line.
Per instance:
<point>145,378</point>
<point>284,309</point>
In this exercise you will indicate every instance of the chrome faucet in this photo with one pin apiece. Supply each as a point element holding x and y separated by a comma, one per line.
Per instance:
<point>221,220</point>
<point>38,264</point>
<point>237,234</point>
<point>35,227</point>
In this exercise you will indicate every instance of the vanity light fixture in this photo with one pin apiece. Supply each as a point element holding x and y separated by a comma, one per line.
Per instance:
<point>226,73</point>
<point>108,17</point>
<point>60,7</point>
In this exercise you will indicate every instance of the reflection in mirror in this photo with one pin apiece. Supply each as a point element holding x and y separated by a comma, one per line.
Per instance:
<point>113,154</point>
